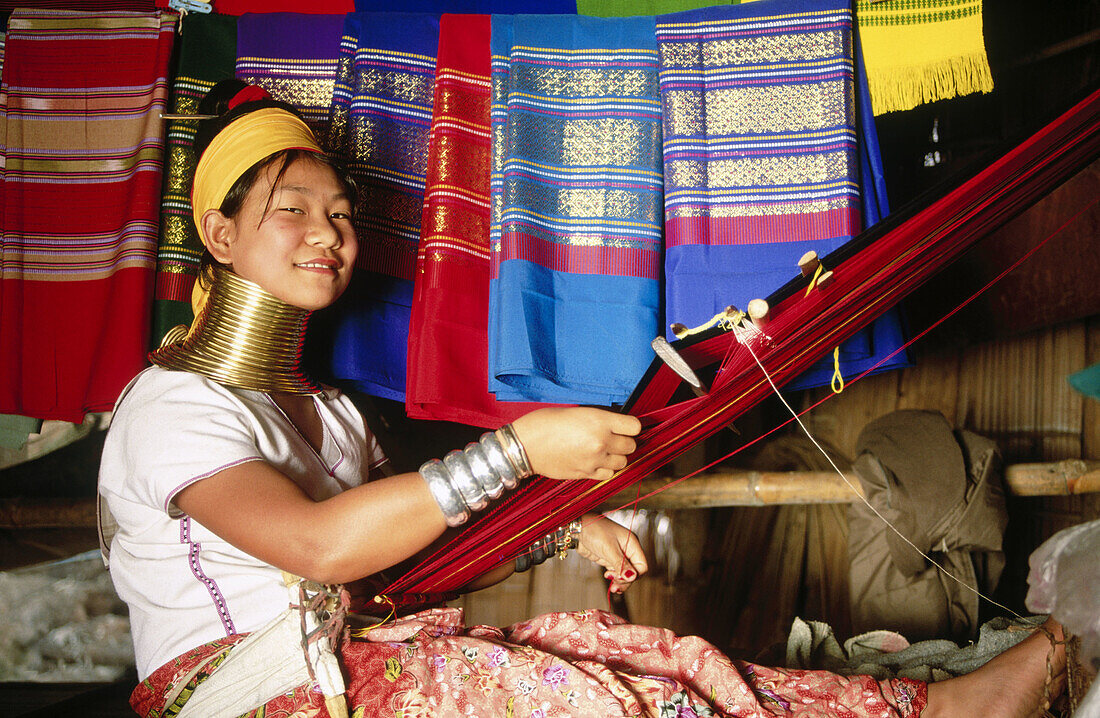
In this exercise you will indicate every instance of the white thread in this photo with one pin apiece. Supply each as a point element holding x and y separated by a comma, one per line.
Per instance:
<point>863,498</point>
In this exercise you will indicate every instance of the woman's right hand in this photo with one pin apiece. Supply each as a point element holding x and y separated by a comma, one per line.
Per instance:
<point>577,442</point>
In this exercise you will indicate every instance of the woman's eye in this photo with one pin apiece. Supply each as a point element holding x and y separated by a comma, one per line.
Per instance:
<point>295,210</point>
<point>341,215</point>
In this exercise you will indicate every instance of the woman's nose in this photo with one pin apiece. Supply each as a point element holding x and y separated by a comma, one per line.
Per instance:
<point>325,234</point>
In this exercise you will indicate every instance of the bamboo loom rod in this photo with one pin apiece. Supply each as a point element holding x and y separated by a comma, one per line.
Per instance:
<point>772,488</point>
<point>710,489</point>
<point>59,513</point>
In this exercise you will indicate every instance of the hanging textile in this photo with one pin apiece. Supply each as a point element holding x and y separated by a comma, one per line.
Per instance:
<point>380,116</point>
<point>574,296</point>
<point>294,57</point>
<point>629,8</point>
<point>82,5</point>
<point>82,98</point>
<point>207,50</point>
<point>762,159</point>
<point>922,51</point>
<point>448,360</point>
<point>323,7</point>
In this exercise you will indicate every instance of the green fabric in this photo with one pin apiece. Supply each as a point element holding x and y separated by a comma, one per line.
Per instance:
<point>207,55</point>
<point>168,314</point>
<point>1087,381</point>
<point>14,430</point>
<point>628,8</point>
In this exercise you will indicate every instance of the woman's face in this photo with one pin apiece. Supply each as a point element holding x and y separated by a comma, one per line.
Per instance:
<point>300,246</point>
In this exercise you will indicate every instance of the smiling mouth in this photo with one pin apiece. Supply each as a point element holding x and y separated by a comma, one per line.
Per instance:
<point>318,265</point>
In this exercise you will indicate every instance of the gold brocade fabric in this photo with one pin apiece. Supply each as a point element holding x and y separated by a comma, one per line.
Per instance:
<point>243,337</point>
<point>207,48</point>
<point>294,56</point>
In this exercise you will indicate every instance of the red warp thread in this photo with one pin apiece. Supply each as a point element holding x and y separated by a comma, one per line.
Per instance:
<point>800,331</point>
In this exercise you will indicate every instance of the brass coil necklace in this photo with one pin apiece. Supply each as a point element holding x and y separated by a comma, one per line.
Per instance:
<point>243,337</point>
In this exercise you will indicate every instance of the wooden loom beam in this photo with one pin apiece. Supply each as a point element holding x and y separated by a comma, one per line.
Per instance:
<point>773,488</point>
<point>709,489</point>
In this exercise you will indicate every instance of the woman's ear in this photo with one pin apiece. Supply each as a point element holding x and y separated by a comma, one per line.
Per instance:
<point>218,232</point>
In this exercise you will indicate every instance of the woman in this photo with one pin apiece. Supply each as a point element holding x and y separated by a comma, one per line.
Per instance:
<point>230,474</point>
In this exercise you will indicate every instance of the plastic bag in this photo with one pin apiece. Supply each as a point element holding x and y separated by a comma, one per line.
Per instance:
<point>1063,580</point>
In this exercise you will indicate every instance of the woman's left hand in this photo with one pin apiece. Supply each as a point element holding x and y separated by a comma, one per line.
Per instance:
<point>614,547</point>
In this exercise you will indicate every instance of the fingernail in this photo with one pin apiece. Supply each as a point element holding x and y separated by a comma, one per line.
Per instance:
<point>628,574</point>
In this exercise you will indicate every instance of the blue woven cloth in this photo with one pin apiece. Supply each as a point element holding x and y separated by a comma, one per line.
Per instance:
<point>768,154</point>
<point>380,116</point>
<point>576,185</point>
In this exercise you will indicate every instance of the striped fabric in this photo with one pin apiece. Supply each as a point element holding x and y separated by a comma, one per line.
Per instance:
<point>579,179</point>
<point>762,155</point>
<point>448,361</point>
<point>380,117</point>
<point>318,7</point>
<point>82,5</point>
<point>207,52</point>
<point>83,155</point>
<point>294,56</point>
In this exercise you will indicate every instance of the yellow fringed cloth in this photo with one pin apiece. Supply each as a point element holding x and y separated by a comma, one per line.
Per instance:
<point>920,51</point>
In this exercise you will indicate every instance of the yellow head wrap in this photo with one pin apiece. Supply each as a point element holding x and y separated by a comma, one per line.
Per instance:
<point>244,142</point>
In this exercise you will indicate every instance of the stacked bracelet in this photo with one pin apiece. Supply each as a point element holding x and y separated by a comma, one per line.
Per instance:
<point>514,450</point>
<point>556,543</point>
<point>465,480</point>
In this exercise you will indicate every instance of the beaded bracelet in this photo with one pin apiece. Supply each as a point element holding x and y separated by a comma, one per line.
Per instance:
<point>556,543</point>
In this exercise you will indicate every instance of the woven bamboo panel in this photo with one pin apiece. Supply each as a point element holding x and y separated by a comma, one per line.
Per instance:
<point>557,585</point>
<point>1012,390</point>
<point>1090,426</point>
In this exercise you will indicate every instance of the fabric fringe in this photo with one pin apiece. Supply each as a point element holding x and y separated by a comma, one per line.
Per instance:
<point>906,87</point>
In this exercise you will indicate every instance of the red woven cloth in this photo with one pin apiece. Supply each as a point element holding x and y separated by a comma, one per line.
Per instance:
<point>82,98</point>
<point>448,364</point>
<point>240,7</point>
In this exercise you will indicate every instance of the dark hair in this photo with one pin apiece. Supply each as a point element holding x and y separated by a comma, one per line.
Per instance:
<point>216,102</point>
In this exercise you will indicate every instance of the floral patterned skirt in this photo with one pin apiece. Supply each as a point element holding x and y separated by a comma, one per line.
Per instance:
<point>584,663</point>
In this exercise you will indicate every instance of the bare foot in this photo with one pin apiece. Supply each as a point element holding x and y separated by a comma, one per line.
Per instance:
<point>1009,686</point>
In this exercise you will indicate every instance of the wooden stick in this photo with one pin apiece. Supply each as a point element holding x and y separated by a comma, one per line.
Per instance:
<point>758,310</point>
<point>808,263</point>
<point>21,513</point>
<point>715,488</point>
<point>767,488</point>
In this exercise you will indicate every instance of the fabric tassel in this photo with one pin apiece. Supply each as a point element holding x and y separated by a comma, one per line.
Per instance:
<point>921,52</point>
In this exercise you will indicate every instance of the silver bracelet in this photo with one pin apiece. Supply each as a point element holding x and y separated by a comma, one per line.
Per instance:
<point>514,450</point>
<point>498,460</point>
<point>465,480</point>
<point>462,479</point>
<point>483,470</point>
<point>445,494</point>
